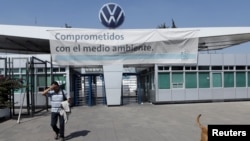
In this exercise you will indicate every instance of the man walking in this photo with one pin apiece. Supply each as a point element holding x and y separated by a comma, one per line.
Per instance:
<point>56,96</point>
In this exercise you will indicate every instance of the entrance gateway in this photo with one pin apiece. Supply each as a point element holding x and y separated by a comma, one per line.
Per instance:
<point>164,62</point>
<point>112,49</point>
<point>165,55</point>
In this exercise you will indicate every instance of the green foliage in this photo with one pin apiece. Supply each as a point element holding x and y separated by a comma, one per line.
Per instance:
<point>173,24</point>
<point>165,26</point>
<point>7,86</point>
<point>162,26</point>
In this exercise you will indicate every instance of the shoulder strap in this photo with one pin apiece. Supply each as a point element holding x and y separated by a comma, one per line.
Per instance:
<point>64,97</point>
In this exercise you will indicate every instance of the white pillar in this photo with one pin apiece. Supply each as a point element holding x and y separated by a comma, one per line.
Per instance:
<point>113,83</point>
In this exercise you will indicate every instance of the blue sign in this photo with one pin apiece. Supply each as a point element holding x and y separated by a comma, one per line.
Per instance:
<point>111,15</point>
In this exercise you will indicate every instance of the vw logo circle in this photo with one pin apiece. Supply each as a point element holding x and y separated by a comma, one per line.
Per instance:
<point>111,15</point>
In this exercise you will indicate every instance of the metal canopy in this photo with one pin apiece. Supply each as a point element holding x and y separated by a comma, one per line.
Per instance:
<point>35,39</point>
<point>23,45</point>
<point>220,42</point>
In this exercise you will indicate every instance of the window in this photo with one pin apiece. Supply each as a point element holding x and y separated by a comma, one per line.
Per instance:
<point>191,80</point>
<point>164,81</point>
<point>41,80</point>
<point>40,89</point>
<point>177,67</point>
<point>40,70</point>
<point>217,80</point>
<point>23,70</point>
<point>163,68</point>
<point>166,68</point>
<point>16,76</point>
<point>15,70</point>
<point>190,68</point>
<point>1,71</point>
<point>228,79</point>
<point>216,67</point>
<point>160,68</point>
<point>55,69</point>
<point>49,80</point>
<point>248,74</point>
<point>62,69</point>
<point>61,79</point>
<point>240,67</point>
<point>204,80</point>
<point>228,67</point>
<point>177,80</point>
<point>203,67</point>
<point>240,79</point>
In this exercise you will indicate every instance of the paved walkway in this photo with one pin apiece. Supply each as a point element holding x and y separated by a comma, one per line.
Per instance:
<point>147,122</point>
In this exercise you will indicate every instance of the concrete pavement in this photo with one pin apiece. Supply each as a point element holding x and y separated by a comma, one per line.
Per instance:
<point>147,122</point>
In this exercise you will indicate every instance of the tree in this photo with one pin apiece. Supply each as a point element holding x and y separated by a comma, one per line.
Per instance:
<point>7,85</point>
<point>67,26</point>
<point>173,24</point>
<point>162,26</point>
<point>165,26</point>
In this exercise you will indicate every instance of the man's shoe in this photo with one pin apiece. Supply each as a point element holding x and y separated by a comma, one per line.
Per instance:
<point>56,136</point>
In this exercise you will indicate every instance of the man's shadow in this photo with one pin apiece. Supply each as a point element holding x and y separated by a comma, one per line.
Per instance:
<point>77,134</point>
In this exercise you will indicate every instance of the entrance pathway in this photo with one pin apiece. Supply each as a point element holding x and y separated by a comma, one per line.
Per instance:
<point>147,122</point>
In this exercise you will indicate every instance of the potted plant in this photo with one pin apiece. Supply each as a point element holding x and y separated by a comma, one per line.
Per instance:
<point>7,86</point>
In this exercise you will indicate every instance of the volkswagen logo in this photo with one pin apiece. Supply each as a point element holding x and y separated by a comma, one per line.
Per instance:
<point>111,15</point>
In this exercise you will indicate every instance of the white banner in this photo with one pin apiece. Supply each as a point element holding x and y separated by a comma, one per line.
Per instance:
<point>81,47</point>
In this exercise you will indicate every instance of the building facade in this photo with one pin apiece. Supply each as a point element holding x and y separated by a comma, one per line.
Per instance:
<point>216,77</point>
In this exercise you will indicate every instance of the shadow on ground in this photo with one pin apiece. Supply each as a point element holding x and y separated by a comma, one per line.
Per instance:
<point>77,134</point>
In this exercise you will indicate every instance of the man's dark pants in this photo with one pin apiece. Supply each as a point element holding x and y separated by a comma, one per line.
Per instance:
<point>54,119</point>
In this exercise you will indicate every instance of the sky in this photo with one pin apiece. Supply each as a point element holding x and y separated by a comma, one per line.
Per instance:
<point>139,14</point>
